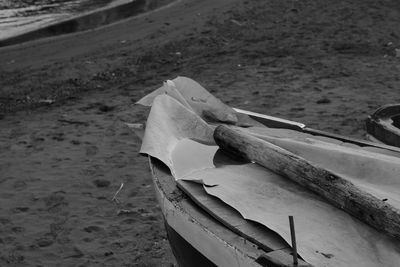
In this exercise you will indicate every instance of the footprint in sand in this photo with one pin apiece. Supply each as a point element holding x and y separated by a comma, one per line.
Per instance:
<point>101,183</point>
<point>59,136</point>
<point>18,229</point>
<point>45,241</point>
<point>75,142</point>
<point>91,150</point>
<point>55,201</point>
<point>20,209</point>
<point>19,185</point>
<point>93,229</point>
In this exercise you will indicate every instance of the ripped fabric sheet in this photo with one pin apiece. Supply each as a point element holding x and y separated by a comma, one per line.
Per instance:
<point>179,132</point>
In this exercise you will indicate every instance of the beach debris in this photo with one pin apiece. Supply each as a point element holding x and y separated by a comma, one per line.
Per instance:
<point>123,41</point>
<point>389,44</point>
<point>115,199</point>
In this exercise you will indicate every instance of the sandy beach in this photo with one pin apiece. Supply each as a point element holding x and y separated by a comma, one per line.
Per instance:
<point>64,148</point>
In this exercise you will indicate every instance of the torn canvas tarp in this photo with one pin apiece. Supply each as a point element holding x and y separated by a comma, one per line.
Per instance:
<point>326,236</point>
<point>168,123</point>
<point>180,135</point>
<point>194,97</point>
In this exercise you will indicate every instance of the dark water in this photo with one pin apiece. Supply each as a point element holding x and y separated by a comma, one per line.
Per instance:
<point>19,16</point>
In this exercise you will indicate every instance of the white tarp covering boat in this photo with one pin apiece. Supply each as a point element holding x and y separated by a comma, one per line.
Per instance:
<point>179,132</point>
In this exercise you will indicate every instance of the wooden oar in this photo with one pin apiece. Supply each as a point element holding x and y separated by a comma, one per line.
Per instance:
<point>335,189</point>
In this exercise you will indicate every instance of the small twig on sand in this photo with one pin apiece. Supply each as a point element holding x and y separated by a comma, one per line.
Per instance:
<point>237,22</point>
<point>115,195</point>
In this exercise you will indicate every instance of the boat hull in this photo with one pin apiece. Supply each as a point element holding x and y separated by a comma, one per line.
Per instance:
<point>200,239</point>
<point>185,254</point>
<point>383,125</point>
<point>193,233</point>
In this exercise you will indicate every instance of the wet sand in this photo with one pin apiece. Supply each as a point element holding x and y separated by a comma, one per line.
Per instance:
<point>324,63</point>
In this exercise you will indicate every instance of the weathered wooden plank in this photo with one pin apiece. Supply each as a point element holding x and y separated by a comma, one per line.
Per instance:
<point>337,190</point>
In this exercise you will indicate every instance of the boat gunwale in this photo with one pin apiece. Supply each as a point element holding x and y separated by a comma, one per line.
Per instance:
<point>275,122</point>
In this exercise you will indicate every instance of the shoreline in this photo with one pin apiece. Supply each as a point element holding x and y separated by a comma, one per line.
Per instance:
<point>74,59</point>
<point>85,21</point>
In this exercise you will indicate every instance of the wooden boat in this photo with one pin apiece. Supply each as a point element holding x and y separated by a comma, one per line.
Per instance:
<point>204,231</point>
<point>384,125</point>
